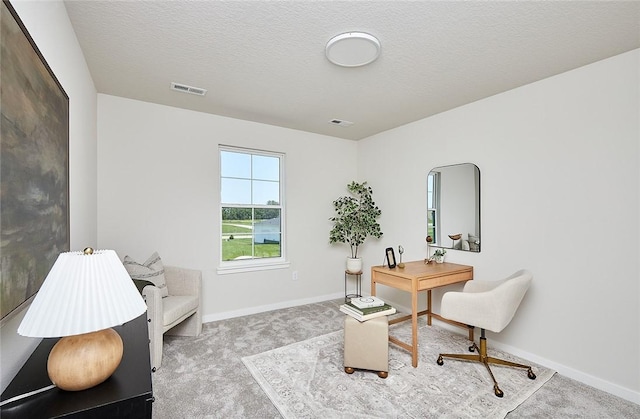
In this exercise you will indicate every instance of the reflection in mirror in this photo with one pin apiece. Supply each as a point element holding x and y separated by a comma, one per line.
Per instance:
<point>453,207</point>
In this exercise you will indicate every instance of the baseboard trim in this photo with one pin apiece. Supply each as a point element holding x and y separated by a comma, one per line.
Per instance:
<point>569,372</point>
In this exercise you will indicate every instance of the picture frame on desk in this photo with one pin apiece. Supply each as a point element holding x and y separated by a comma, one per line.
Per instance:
<point>391,257</point>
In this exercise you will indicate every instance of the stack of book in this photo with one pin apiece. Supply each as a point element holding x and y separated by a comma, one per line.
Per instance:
<point>367,308</point>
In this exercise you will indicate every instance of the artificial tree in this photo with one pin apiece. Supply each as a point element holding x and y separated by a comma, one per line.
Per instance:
<point>355,218</point>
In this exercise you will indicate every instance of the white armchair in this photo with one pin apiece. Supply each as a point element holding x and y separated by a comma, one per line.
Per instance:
<point>488,305</point>
<point>179,313</point>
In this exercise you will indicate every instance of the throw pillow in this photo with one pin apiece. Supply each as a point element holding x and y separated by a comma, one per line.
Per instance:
<point>151,270</point>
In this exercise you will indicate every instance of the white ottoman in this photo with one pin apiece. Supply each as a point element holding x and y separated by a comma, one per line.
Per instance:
<point>366,345</point>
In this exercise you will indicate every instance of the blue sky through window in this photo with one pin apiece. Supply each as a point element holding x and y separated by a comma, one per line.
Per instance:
<point>249,178</point>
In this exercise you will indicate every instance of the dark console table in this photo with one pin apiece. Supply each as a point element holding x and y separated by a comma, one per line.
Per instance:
<point>127,393</point>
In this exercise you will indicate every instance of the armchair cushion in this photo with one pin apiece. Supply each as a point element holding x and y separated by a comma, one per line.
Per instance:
<point>151,270</point>
<point>177,307</point>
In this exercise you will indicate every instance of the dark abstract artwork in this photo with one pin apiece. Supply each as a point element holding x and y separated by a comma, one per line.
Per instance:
<point>34,165</point>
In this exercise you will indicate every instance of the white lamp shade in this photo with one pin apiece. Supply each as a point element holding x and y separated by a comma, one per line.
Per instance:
<point>83,293</point>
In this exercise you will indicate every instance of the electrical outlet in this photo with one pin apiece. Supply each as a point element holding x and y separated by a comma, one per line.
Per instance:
<point>295,275</point>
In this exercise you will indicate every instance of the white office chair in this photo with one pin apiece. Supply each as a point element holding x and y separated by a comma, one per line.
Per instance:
<point>488,305</point>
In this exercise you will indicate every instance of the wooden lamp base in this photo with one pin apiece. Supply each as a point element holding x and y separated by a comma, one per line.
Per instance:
<point>83,361</point>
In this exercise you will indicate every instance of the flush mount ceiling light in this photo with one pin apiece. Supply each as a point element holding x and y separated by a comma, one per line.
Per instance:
<point>353,49</point>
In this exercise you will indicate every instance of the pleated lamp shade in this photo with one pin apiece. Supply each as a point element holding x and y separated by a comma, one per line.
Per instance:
<point>83,293</point>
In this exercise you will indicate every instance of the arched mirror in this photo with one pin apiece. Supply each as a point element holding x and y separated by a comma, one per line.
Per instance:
<point>453,207</point>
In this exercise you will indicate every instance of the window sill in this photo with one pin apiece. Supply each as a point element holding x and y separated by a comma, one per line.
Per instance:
<point>225,270</point>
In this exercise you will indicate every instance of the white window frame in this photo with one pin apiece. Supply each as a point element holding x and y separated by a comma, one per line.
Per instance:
<point>260,264</point>
<point>435,199</point>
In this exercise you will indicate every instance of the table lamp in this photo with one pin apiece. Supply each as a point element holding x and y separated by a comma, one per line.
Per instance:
<point>83,296</point>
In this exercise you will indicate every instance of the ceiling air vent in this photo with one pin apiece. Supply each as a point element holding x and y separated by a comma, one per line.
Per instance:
<point>341,122</point>
<point>188,89</point>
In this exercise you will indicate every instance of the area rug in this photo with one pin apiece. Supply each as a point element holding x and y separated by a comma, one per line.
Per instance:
<point>307,380</point>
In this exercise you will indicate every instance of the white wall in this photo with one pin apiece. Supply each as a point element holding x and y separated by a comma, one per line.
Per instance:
<point>559,163</point>
<point>49,26</point>
<point>559,180</point>
<point>560,186</point>
<point>158,189</point>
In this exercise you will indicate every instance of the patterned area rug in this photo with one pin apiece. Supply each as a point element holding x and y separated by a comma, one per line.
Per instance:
<point>307,380</point>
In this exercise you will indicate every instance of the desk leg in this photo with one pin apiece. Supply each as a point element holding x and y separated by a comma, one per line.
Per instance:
<point>429,308</point>
<point>345,287</point>
<point>414,324</point>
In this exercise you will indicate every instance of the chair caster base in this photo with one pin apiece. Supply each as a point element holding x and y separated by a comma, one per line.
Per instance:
<point>497,391</point>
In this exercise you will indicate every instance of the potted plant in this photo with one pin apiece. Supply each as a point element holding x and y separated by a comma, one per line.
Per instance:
<point>438,255</point>
<point>355,220</point>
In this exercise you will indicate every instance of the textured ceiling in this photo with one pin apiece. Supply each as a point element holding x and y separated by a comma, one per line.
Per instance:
<point>264,61</point>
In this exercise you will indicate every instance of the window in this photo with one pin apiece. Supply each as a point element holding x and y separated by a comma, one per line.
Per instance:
<point>251,208</point>
<point>433,204</point>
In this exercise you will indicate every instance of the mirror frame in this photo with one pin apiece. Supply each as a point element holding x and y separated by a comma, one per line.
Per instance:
<point>470,238</point>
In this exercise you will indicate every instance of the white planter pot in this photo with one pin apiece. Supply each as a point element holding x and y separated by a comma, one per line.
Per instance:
<point>439,259</point>
<point>354,265</point>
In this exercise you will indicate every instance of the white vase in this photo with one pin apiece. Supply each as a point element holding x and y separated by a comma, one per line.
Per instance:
<point>354,265</point>
<point>439,259</point>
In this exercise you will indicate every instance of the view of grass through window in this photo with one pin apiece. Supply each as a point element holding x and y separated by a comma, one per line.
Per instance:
<point>252,209</point>
<point>238,243</point>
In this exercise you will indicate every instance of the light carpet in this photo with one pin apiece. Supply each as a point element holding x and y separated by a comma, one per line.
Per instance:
<point>307,380</point>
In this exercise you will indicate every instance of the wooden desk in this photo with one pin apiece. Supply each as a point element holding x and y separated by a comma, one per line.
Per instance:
<point>415,277</point>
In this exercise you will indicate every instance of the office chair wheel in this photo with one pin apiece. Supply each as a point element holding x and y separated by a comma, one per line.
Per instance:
<point>440,361</point>
<point>530,374</point>
<point>472,348</point>
<point>497,390</point>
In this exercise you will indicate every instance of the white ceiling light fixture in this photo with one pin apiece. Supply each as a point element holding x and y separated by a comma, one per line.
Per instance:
<point>353,49</point>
